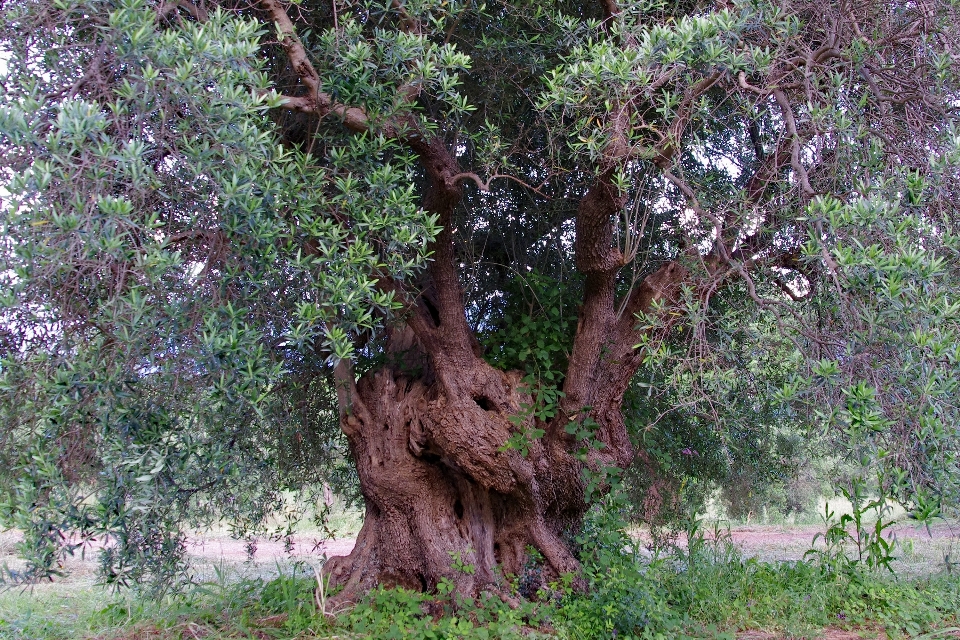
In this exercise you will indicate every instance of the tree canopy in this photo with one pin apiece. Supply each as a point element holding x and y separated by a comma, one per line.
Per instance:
<point>251,247</point>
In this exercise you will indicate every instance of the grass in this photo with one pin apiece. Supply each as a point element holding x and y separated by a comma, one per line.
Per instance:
<point>794,601</point>
<point>719,586</point>
<point>705,588</point>
<point>54,610</point>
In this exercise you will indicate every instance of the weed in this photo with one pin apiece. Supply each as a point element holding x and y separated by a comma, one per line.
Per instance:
<point>398,613</point>
<point>872,549</point>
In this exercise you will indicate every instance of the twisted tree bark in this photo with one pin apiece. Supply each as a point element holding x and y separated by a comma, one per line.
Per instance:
<point>428,432</point>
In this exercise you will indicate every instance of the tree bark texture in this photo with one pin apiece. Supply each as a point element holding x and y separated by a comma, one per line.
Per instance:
<point>438,484</point>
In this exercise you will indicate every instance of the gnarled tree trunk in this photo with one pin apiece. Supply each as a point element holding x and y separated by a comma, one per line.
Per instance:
<point>427,433</point>
<point>439,486</point>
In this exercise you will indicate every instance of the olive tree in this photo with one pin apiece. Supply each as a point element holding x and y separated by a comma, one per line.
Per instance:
<point>229,227</point>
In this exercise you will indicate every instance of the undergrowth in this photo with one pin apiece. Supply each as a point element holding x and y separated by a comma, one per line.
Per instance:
<point>703,589</point>
<point>707,589</point>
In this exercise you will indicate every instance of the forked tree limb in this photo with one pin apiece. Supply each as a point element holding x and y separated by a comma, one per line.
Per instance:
<point>597,256</point>
<point>316,100</point>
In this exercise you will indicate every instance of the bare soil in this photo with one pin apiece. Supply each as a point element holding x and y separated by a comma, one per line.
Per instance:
<point>777,542</point>
<point>231,551</point>
<point>766,542</point>
<point>921,550</point>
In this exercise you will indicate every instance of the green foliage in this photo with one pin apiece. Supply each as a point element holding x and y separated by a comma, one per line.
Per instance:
<point>533,331</point>
<point>397,613</point>
<point>872,548</point>
<point>143,348</point>
<point>897,282</point>
<point>597,481</point>
<point>876,375</point>
<point>624,599</point>
<point>599,75</point>
<point>716,424</point>
<point>544,405</point>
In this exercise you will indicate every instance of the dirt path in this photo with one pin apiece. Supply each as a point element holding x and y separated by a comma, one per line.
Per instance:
<point>772,542</point>
<point>919,550</point>
<point>231,551</point>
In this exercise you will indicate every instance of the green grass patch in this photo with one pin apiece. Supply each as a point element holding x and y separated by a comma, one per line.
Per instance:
<point>50,610</point>
<point>707,589</point>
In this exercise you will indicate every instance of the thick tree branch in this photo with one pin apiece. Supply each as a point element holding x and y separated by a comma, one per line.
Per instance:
<point>442,169</point>
<point>295,50</point>
<point>415,313</point>
<point>455,338</point>
<point>599,260</point>
<point>196,12</point>
<point>658,287</point>
<point>410,24</point>
<point>316,101</point>
<point>610,8</point>
<point>352,409</point>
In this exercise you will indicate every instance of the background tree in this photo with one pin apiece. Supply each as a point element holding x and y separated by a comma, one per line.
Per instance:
<point>212,209</point>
